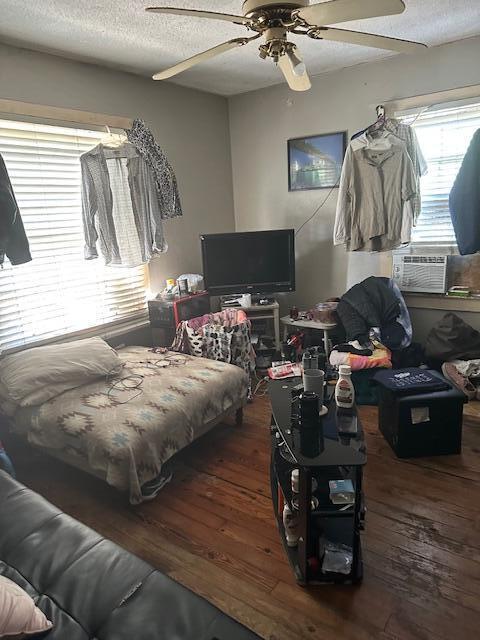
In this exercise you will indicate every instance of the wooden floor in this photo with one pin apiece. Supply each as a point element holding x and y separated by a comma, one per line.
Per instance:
<point>212,529</point>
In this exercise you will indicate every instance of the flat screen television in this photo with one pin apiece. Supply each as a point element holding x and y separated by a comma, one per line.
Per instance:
<point>253,262</point>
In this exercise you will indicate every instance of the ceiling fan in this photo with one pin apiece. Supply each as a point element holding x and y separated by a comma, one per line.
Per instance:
<point>274,19</point>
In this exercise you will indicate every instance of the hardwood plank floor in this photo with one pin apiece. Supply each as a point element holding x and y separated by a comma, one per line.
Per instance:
<point>212,529</point>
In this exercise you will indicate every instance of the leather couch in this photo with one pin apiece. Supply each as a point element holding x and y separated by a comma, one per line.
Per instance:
<point>89,587</point>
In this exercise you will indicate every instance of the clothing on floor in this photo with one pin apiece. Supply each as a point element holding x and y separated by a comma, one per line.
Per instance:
<point>377,185</point>
<point>13,239</point>
<point>120,206</point>
<point>468,368</point>
<point>142,138</point>
<point>451,338</point>
<point>465,200</point>
<point>371,303</point>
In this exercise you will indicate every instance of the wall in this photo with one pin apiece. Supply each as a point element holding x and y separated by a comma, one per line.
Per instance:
<point>262,121</point>
<point>191,126</point>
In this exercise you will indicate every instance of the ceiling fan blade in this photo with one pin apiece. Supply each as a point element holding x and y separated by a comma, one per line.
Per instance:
<point>294,71</point>
<point>337,11</point>
<point>372,40</point>
<point>212,15</point>
<point>202,57</point>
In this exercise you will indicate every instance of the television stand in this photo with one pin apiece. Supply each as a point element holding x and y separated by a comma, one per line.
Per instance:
<point>263,312</point>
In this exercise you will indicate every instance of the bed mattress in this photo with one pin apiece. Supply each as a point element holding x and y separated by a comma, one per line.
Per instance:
<point>124,429</point>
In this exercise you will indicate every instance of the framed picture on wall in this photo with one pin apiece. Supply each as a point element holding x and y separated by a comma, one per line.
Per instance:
<point>315,162</point>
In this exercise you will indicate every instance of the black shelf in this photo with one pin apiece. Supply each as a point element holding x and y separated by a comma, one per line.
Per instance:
<point>338,458</point>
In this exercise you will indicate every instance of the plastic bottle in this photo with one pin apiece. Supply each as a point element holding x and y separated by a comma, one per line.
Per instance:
<point>307,360</point>
<point>295,475</point>
<point>290,523</point>
<point>344,391</point>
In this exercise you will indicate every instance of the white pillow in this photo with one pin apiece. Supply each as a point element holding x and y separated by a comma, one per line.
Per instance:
<point>19,617</point>
<point>34,376</point>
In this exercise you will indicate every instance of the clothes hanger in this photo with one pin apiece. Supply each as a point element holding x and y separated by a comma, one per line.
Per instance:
<point>113,140</point>
<point>380,123</point>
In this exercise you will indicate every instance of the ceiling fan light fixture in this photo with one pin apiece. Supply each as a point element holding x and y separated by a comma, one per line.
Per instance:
<point>298,65</point>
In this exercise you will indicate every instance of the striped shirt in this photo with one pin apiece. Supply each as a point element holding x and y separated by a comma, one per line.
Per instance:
<point>120,198</point>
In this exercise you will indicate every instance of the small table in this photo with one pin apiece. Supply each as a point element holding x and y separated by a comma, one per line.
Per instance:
<point>309,324</point>
<point>262,312</point>
<point>339,456</point>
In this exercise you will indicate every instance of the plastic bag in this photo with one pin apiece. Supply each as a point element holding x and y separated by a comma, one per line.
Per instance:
<point>336,557</point>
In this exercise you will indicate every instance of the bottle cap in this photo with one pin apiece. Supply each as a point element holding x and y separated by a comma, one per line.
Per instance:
<point>345,369</point>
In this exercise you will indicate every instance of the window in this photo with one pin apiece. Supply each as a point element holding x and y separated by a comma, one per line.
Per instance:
<point>59,292</point>
<point>444,136</point>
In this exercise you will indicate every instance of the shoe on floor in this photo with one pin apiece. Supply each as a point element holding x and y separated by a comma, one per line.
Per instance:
<point>462,383</point>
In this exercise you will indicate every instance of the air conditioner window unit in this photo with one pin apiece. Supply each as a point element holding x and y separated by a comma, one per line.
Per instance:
<point>421,274</point>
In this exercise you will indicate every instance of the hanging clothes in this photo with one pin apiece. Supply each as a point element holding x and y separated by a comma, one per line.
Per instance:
<point>13,239</point>
<point>142,138</point>
<point>120,206</point>
<point>407,134</point>
<point>465,200</point>
<point>377,185</point>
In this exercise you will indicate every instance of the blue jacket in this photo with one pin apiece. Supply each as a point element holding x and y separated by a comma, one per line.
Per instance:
<point>465,200</point>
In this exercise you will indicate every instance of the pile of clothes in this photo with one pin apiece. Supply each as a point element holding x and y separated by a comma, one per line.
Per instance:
<point>455,345</point>
<point>376,357</point>
<point>223,336</point>
<point>376,321</point>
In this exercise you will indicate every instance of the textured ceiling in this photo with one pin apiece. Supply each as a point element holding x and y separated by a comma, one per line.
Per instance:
<point>119,33</point>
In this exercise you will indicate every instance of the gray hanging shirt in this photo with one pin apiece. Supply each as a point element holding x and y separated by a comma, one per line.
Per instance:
<point>407,133</point>
<point>111,211</point>
<point>374,187</point>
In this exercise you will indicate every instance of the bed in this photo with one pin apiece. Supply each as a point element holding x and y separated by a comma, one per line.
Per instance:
<point>124,429</point>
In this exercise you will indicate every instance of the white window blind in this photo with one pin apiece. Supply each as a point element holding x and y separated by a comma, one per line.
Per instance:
<point>444,136</point>
<point>59,292</point>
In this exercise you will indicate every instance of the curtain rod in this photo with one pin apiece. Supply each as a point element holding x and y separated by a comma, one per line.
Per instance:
<point>430,99</point>
<point>59,114</point>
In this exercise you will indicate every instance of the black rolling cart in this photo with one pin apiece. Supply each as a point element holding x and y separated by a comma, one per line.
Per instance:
<point>337,457</point>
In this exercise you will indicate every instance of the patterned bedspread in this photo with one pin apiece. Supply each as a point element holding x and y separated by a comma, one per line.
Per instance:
<point>125,435</point>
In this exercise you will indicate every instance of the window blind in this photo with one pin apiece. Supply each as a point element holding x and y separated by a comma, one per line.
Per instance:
<point>59,292</point>
<point>444,136</point>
